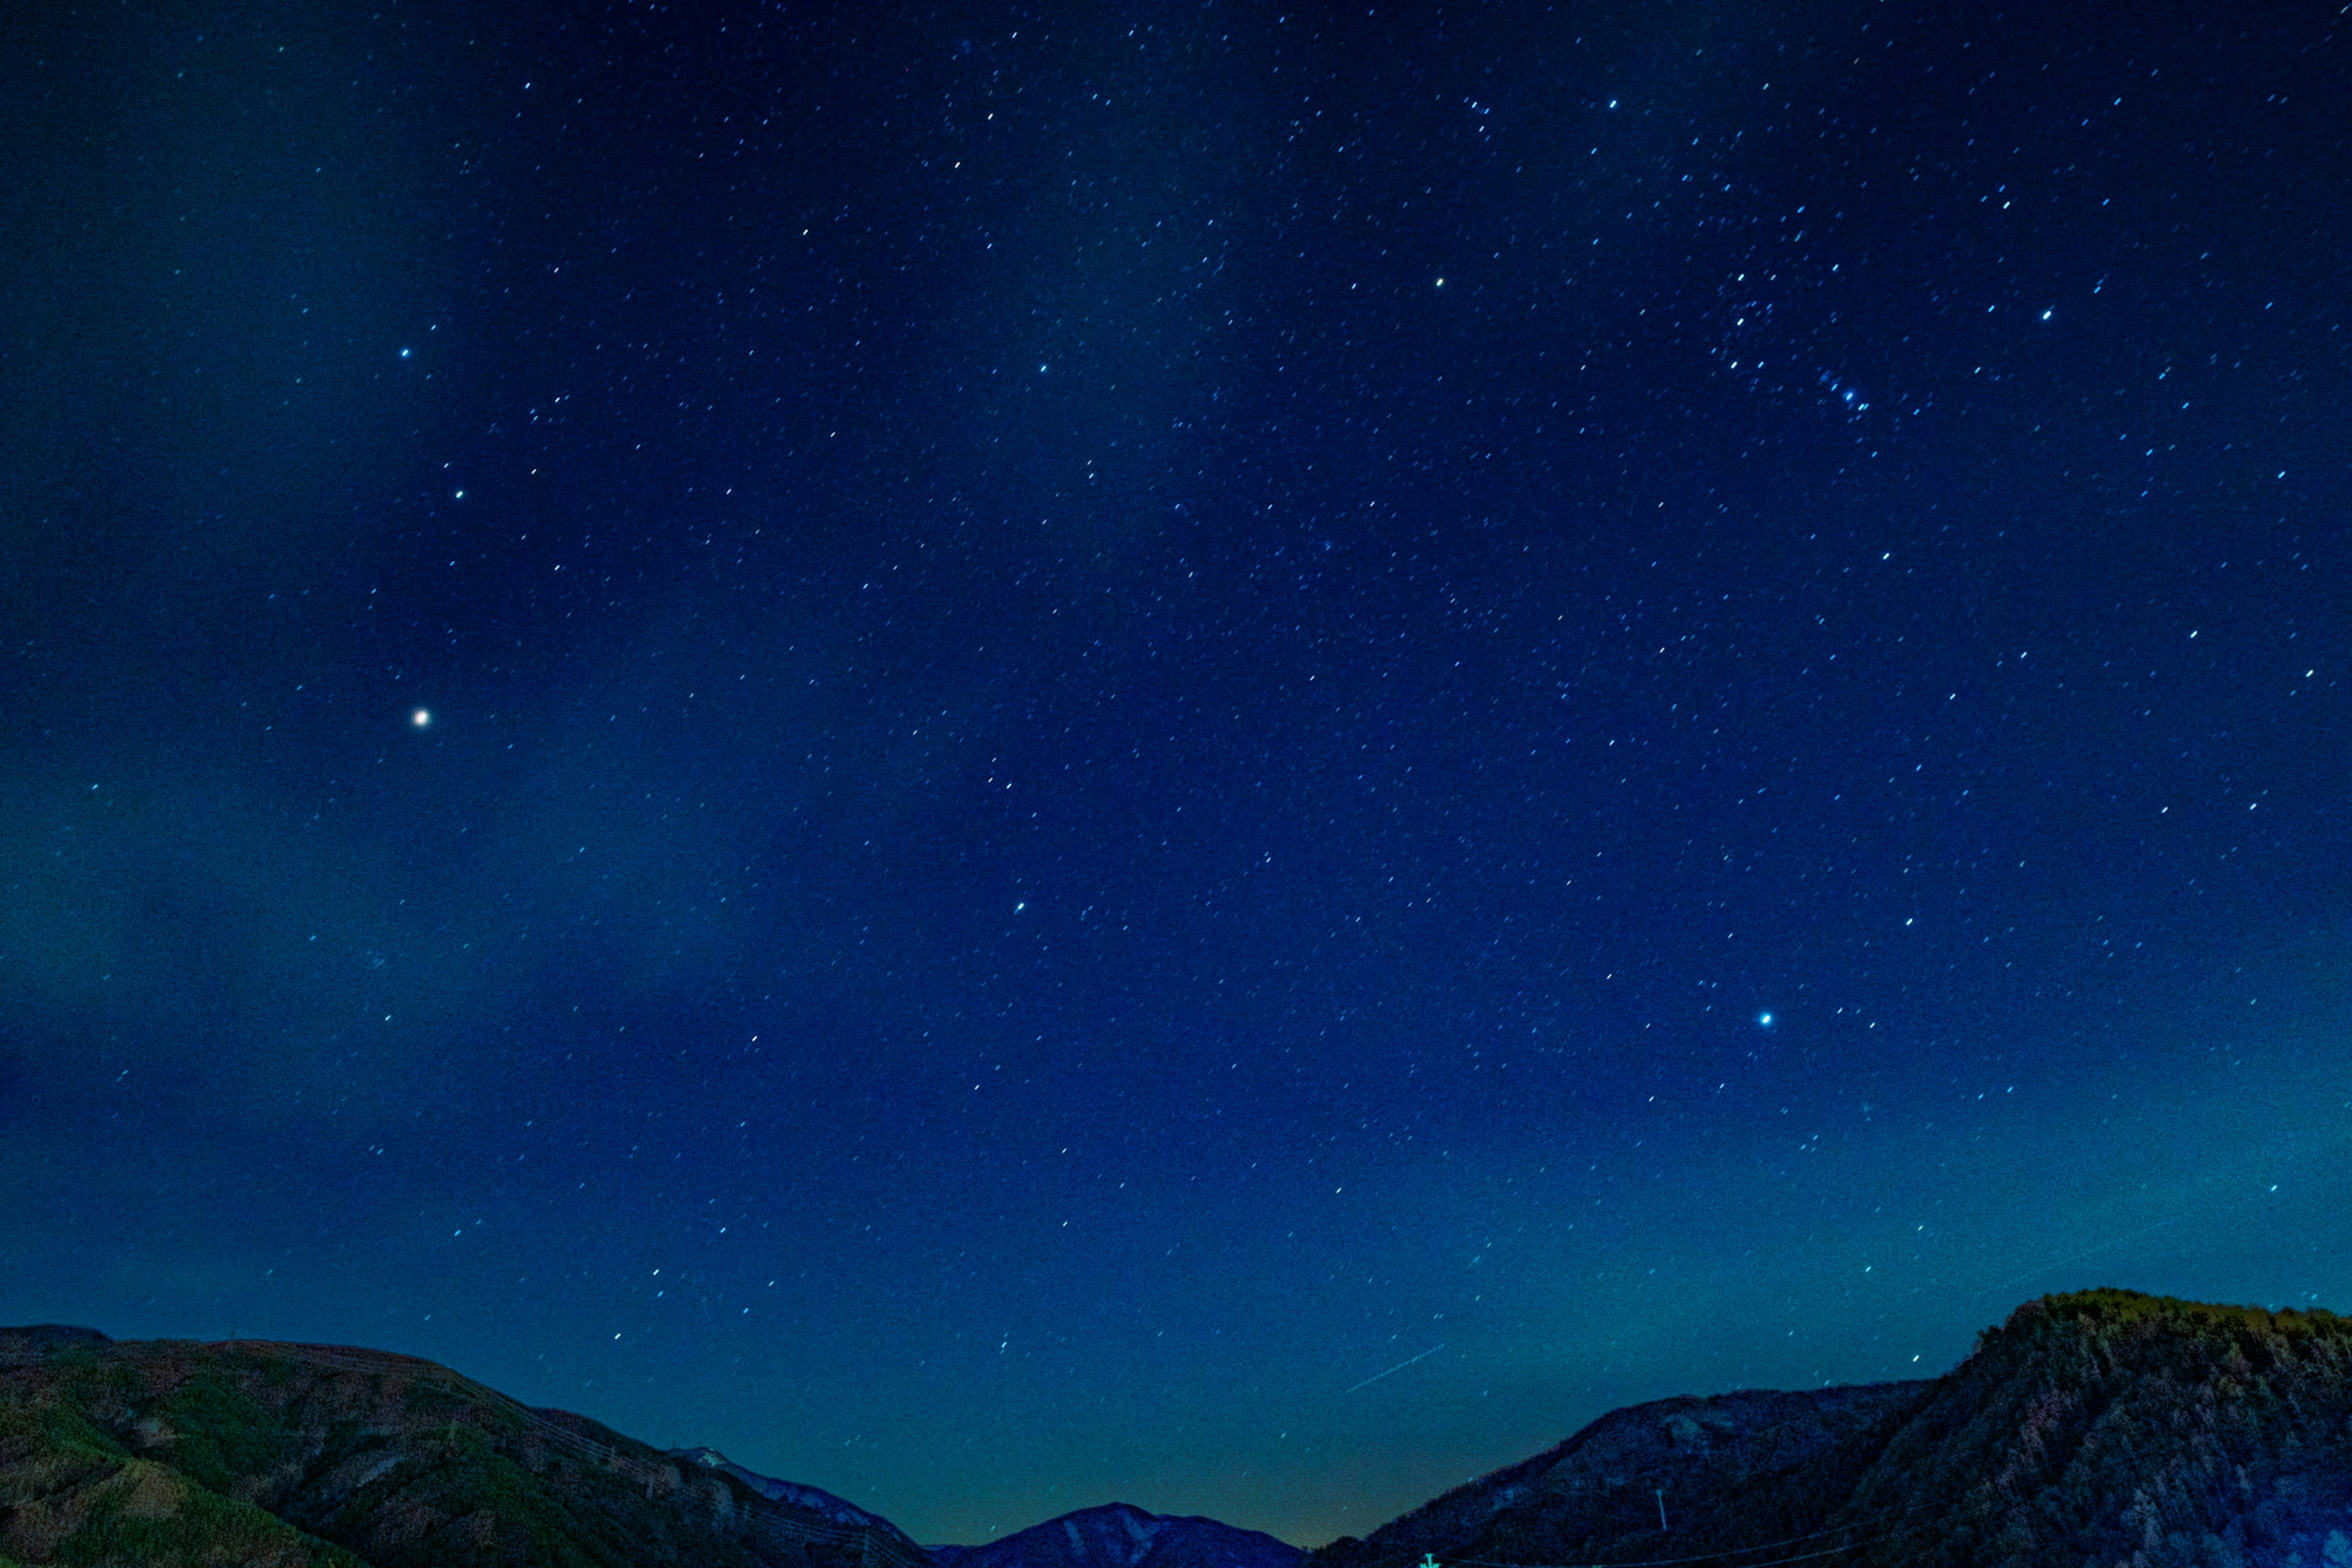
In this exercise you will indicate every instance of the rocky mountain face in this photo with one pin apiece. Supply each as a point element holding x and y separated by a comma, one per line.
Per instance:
<point>1117,1535</point>
<point>2112,1427</point>
<point>168,1453</point>
<point>2106,1428</point>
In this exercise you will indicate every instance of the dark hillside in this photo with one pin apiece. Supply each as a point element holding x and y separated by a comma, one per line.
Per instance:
<point>287,1455</point>
<point>2111,1427</point>
<point>2105,1430</point>
<point>1725,1471</point>
<point>2100,1429</point>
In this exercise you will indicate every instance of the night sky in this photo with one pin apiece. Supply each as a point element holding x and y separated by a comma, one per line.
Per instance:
<point>1011,756</point>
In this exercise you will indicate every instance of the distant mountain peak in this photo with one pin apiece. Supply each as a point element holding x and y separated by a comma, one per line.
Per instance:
<point>1121,1535</point>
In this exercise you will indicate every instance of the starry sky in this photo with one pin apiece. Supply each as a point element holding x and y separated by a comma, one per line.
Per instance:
<point>1232,758</point>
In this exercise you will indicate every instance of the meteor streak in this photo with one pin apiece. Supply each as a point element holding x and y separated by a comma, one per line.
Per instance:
<point>1401,1365</point>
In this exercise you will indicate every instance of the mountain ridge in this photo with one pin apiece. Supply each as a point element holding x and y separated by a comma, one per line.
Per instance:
<point>815,1498</point>
<point>1120,1535</point>
<point>2102,1428</point>
<point>289,1456</point>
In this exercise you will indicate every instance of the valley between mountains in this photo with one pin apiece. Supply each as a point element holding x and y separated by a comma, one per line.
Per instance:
<point>2106,1429</point>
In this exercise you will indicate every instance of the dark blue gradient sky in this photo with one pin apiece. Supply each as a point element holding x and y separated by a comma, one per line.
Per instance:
<point>1131,713</point>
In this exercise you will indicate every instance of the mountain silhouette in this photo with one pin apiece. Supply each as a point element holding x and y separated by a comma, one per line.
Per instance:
<point>169,1452</point>
<point>1119,1535</point>
<point>2105,1429</point>
<point>2101,1428</point>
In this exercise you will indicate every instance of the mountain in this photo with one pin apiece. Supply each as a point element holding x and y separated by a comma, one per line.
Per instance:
<point>169,1453</point>
<point>2103,1428</point>
<point>1117,1535</point>
<point>813,1499</point>
<point>1722,1471</point>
